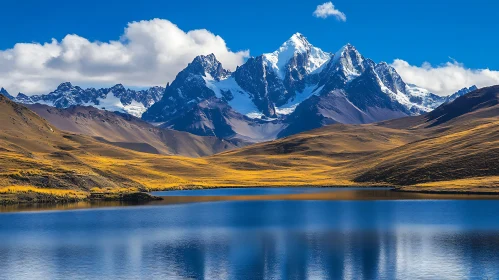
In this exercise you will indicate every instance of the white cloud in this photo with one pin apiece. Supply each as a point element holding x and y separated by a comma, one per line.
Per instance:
<point>447,78</point>
<point>148,53</point>
<point>327,9</point>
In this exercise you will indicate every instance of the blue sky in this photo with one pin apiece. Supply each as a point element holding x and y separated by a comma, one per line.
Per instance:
<point>436,31</point>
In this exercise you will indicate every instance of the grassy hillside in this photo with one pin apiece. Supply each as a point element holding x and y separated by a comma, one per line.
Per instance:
<point>461,144</point>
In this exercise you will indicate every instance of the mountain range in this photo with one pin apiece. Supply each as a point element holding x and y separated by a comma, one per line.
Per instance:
<point>296,88</point>
<point>117,98</point>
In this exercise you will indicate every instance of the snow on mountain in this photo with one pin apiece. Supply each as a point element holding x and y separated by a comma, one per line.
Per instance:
<point>297,44</point>
<point>291,105</point>
<point>349,61</point>
<point>460,93</point>
<point>234,95</point>
<point>117,98</point>
<point>423,99</point>
<point>294,88</point>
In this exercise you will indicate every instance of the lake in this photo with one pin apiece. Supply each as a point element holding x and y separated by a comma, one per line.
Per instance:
<point>258,234</point>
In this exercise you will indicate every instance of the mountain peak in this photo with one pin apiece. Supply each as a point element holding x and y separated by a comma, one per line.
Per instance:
<point>349,61</point>
<point>65,86</point>
<point>460,93</point>
<point>5,93</point>
<point>297,44</point>
<point>348,48</point>
<point>206,59</point>
<point>119,87</point>
<point>208,65</point>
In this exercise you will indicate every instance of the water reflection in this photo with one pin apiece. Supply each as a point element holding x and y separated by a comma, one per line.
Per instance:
<point>446,239</point>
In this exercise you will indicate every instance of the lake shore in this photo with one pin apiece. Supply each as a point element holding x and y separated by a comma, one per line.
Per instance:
<point>34,202</point>
<point>32,197</point>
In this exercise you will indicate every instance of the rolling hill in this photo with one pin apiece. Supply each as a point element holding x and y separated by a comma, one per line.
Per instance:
<point>462,142</point>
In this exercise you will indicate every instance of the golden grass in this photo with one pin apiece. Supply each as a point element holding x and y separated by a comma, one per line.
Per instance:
<point>51,192</point>
<point>475,184</point>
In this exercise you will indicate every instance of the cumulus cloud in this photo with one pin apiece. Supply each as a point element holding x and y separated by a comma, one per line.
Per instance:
<point>148,53</point>
<point>447,78</point>
<point>327,9</point>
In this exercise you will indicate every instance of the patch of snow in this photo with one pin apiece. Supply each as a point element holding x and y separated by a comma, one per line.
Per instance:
<point>241,101</point>
<point>349,59</point>
<point>429,103</point>
<point>135,109</point>
<point>291,105</point>
<point>113,103</point>
<point>404,99</point>
<point>399,96</point>
<point>212,84</point>
<point>43,102</point>
<point>255,115</point>
<point>417,91</point>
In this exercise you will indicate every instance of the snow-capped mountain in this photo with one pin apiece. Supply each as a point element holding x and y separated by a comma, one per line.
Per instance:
<point>205,99</point>
<point>116,98</point>
<point>298,87</point>
<point>295,88</point>
<point>459,93</point>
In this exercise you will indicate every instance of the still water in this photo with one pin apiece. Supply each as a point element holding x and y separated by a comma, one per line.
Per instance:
<point>257,239</point>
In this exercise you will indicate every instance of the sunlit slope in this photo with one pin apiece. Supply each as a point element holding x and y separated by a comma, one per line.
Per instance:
<point>32,152</point>
<point>338,141</point>
<point>35,154</point>
<point>462,144</point>
<point>318,157</point>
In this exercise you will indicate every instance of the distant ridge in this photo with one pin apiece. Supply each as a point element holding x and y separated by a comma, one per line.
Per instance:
<point>130,132</point>
<point>116,98</point>
<point>470,102</point>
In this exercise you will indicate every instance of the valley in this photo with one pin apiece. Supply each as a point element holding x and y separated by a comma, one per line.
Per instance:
<point>453,149</point>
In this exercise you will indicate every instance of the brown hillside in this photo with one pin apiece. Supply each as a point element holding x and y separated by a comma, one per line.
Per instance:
<point>130,132</point>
